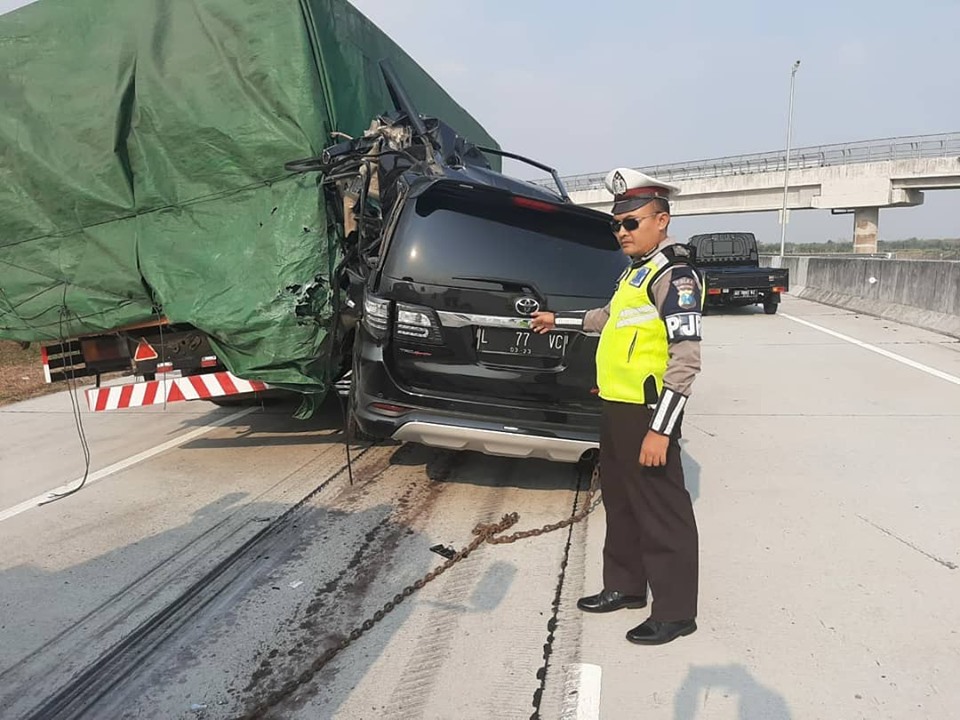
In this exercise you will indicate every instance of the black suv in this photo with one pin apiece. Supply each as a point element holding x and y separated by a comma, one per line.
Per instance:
<point>444,354</point>
<point>446,260</point>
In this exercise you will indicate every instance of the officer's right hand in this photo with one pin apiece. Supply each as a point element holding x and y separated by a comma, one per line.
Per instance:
<point>543,322</point>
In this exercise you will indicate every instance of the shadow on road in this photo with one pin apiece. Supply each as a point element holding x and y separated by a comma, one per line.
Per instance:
<point>489,471</point>
<point>270,424</point>
<point>691,474</point>
<point>720,311</point>
<point>754,701</point>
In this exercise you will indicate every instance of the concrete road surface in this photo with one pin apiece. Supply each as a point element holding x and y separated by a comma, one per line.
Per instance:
<point>826,480</point>
<point>217,554</point>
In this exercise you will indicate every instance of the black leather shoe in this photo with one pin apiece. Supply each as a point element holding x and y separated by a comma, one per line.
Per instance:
<point>610,600</point>
<point>658,632</point>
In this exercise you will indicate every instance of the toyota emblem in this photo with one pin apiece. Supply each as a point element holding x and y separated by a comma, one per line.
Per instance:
<point>527,305</point>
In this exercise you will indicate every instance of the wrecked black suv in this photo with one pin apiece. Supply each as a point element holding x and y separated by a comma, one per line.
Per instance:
<point>445,261</point>
<point>444,353</point>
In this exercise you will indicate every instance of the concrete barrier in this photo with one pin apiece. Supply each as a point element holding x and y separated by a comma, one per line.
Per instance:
<point>924,293</point>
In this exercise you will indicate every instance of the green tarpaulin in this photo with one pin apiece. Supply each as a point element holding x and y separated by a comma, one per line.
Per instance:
<point>142,145</point>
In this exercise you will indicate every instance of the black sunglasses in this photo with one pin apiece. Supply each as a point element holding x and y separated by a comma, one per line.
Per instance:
<point>629,224</point>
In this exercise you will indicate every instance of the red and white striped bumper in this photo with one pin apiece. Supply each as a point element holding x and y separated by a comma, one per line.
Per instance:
<point>168,390</point>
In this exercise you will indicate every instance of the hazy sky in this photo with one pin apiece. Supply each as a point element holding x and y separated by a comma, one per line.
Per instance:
<point>589,86</point>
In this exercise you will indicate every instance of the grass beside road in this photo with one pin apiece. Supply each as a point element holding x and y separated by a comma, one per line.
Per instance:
<point>21,373</point>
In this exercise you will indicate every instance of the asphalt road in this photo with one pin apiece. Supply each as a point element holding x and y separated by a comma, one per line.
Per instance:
<point>201,579</point>
<point>217,554</point>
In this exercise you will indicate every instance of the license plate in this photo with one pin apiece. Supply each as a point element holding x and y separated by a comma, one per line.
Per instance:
<point>523,343</point>
<point>745,293</point>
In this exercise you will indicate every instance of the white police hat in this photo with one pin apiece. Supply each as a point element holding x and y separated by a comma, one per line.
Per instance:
<point>632,189</point>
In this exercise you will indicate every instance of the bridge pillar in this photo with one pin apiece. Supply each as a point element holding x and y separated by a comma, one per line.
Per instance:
<point>865,222</point>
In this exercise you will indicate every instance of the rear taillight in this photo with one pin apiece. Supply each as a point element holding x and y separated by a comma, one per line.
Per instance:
<point>389,409</point>
<point>45,359</point>
<point>713,291</point>
<point>417,323</point>
<point>376,315</point>
<point>779,289</point>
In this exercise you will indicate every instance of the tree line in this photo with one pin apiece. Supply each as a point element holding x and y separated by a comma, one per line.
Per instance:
<point>911,248</point>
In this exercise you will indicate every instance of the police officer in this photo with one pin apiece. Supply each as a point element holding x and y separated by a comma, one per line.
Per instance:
<point>647,359</point>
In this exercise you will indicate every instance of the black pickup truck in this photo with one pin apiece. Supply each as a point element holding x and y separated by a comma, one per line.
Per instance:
<point>730,264</point>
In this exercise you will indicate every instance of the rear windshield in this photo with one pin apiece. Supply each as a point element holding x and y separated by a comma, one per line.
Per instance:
<point>453,235</point>
<point>722,245</point>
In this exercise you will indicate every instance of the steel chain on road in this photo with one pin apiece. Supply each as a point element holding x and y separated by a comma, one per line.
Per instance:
<point>484,532</point>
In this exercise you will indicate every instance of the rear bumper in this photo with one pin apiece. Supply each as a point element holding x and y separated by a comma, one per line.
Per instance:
<point>385,409</point>
<point>744,288</point>
<point>743,296</point>
<point>493,442</point>
<point>208,386</point>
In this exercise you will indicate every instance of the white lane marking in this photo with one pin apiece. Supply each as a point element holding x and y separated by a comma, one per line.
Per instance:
<point>581,692</point>
<point>880,351</point>
<point>123,464</point>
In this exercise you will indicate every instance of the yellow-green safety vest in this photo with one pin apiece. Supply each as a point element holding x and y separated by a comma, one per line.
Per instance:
<point>632,353</point>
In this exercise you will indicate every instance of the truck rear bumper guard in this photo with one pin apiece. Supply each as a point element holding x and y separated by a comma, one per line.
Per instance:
<point>169,390</point>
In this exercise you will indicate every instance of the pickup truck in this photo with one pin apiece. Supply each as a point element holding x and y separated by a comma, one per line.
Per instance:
<point>730,264</point>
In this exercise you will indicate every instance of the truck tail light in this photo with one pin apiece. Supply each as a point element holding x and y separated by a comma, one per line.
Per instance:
<point>779,289</point>
<point>713,291</point>
<point>417,323</point>
<point>45,359</point>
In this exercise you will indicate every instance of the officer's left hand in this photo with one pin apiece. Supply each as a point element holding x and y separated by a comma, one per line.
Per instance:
<point>653,452</point>
<point>543,322</point>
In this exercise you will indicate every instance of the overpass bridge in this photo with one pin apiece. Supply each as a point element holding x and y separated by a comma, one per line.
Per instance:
<point>857,178</point>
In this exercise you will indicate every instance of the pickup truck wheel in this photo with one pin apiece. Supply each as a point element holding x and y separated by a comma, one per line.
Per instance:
<point>770,308</point>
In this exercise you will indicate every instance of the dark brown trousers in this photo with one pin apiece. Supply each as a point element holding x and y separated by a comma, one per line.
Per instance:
<point>651,530</point>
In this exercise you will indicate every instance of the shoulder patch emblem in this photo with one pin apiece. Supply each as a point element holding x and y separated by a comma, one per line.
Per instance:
<point>686,292</point>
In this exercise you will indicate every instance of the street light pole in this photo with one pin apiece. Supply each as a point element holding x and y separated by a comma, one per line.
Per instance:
<point>786,167</point>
